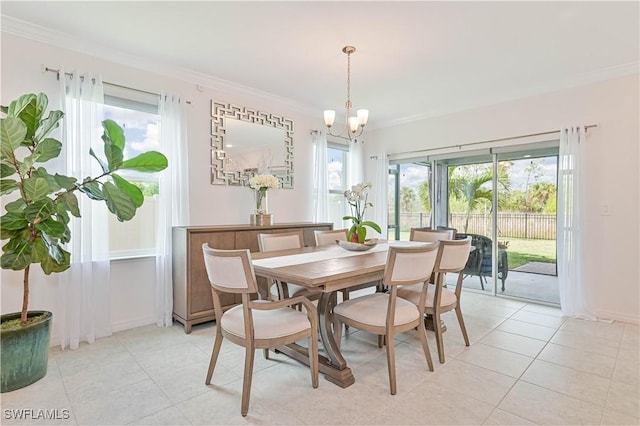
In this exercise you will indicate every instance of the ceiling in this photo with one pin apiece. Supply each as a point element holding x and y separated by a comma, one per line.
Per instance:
<point>413,59</point>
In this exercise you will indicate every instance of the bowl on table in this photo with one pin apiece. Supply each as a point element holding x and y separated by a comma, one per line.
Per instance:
<point>366,245</point>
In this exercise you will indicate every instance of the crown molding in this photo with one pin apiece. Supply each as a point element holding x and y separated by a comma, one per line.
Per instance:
<point>596,76</point>
<point>63,40</point>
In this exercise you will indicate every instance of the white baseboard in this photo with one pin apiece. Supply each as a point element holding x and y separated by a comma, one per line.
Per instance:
<point>132,323</point>
<point>619,316</point>
<point>115,327</point>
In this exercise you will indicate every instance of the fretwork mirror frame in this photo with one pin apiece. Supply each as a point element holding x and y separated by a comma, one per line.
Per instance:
<point>220,113</point>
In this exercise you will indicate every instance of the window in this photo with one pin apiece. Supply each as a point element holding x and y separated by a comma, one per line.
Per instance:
<point>337,160</point>
<point>139,120</point>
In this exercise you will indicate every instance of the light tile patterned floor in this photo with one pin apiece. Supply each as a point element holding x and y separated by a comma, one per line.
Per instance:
<point>526,365</point>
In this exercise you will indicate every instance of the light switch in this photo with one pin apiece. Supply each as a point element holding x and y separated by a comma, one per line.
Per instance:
<point>605,209</point>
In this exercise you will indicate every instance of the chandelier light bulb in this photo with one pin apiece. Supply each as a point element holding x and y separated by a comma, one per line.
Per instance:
<point>353,124</point>
<point>363,116</point>
<point>329,117</point>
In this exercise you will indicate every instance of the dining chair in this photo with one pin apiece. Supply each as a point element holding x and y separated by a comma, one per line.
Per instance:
<point>452,257</point>
<point>454,231</point>
<point>286,241</point>
<point>326,238</point>
<point>429,235</point>
<point>480,261</point>
<point>386,314</point>
<point>255,324</point>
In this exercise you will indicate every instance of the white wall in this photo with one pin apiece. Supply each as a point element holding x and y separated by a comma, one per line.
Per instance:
<point>611,248</point>
<point>133,300</point>
<point>612,273</point>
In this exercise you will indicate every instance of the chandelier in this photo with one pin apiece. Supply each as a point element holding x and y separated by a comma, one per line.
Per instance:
<point>353,126</point>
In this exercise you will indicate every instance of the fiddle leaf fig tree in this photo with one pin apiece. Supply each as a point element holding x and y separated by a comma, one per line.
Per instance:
<point>36,223</point>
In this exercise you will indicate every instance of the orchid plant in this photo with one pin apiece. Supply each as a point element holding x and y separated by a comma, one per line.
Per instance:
<point>261,183</point>
<point>357,198</point>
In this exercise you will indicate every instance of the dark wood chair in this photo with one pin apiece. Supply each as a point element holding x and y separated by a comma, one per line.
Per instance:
<point>480,259</point>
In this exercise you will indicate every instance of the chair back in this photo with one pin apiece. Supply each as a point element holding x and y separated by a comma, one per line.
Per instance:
<point>280,241</point>
<point>447,228</point>
<point>453,255</point>
<point>429,235</point>
<point>230,271</point>
<point>410,265</point>
<point>481,258</point>
<point>326,238</point>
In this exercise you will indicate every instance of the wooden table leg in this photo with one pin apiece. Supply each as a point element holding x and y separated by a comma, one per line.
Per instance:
<point>341,377</point>
<point>333,366</point>
<point>325,307</point>
<point>428,323</point>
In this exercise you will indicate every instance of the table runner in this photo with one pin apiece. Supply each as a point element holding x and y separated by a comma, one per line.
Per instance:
<point>297,259</point>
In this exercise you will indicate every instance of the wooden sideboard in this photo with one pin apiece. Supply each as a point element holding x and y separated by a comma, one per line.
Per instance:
<point>192,302</point>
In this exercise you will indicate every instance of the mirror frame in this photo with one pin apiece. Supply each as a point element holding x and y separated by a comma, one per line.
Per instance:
<point>219,114</point>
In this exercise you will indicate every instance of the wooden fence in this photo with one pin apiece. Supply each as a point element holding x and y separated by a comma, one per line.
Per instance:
<point>536,226</point>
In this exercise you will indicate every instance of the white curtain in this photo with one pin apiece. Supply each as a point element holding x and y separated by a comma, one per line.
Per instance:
<point>85,287</point>
<point>320,178</point>
<point>356,164</point>
<point>573,299</point>
<point>173,202</point>
<point>379,165</point>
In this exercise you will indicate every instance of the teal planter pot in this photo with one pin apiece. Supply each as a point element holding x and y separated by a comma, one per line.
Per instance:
<point>24,352</point>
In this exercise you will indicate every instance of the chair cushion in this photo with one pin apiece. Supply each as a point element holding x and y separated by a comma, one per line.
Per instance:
<point>372,309</point>
<point>412,293</point>
<point>266,324</point>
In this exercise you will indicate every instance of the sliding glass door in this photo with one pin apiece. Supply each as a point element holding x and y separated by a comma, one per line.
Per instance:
<point>469,191</point>
<point>503,198</point>
<point>526,221</point>
<point>410,193</point>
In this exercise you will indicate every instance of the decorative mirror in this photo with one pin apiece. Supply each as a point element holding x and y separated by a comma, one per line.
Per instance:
<point>247,142</point>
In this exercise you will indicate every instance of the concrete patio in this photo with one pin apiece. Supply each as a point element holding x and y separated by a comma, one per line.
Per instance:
<point>526,285</point>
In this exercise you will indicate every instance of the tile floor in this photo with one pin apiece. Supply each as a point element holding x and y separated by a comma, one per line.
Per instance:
<point>526,365</point>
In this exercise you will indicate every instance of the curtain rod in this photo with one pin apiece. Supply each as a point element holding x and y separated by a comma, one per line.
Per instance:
<point>107,82</point>
<point>550,132</point>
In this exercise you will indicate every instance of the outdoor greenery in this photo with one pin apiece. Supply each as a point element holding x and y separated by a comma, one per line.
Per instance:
<point>471,193</point>
<point>149,189</point>
<point>522,251</point>
<point>472,185</point>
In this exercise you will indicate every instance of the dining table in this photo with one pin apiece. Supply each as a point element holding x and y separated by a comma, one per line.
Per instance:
<point>327,269</point>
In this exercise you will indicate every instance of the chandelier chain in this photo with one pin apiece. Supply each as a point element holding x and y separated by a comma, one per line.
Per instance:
<point>348,81</point>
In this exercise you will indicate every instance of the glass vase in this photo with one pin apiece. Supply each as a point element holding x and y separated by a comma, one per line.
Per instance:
<point>261,215</point>
<point>262,206</point>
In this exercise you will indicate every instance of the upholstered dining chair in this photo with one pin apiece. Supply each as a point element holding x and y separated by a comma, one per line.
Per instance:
<point>429,235</point>
<point>286,241</point>
<point>452,257</point>
<point>386,314</point>
<point>255,324</point>
<point>326,238</point>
